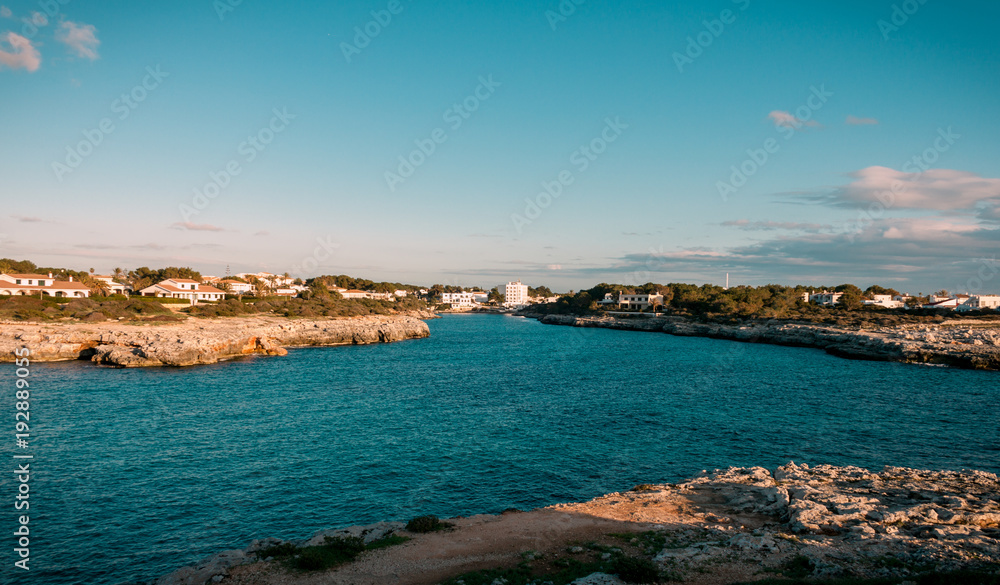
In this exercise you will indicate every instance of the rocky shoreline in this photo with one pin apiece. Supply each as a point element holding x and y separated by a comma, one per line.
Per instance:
<point>197,341</point>
<point>962,344</point>
<point>725,526</point>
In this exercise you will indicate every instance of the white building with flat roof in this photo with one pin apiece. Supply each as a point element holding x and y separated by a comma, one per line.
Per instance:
<point>515,294</point>
<point>633,301</point>
<point>979,302</point>
<point>459,300</point>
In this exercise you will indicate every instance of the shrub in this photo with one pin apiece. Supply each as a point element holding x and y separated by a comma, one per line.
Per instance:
<point>336,551</point>
<point>636,570</point>
<point>424,524</point>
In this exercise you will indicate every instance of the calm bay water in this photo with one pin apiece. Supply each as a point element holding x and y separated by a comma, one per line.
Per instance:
<point>138,472</point>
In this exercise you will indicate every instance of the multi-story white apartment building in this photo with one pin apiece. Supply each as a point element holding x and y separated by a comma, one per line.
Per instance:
<point>515,294</point>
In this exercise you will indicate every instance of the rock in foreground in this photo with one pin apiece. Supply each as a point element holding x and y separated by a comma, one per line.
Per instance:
<point>728,526</point>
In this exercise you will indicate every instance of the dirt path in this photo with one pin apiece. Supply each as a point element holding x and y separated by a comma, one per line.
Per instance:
<point>490,542</point>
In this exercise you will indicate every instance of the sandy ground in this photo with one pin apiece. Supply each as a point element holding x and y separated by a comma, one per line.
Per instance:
<point>488,542</point>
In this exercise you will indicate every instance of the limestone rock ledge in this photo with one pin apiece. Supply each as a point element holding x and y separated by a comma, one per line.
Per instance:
<point>958,344</point>
<point>197,341</point>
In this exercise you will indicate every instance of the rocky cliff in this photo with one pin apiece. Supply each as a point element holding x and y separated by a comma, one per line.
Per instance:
<point>196,341</point>
<point>731,525</point>
<point>965,344</point>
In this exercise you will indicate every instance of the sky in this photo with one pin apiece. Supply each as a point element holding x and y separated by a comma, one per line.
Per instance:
<point>560,143</point>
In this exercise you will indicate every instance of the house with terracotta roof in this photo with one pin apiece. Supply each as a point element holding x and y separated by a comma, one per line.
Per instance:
<point>184,288</point>
<point>40,284</point>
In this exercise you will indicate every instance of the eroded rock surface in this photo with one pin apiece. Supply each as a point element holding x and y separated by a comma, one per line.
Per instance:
<point>197,341</point>
<point>960,344</point>
<point>725,526</point>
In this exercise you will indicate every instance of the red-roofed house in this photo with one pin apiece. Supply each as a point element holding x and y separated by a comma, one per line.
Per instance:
<point>183,288</point>
<point>32,284</point>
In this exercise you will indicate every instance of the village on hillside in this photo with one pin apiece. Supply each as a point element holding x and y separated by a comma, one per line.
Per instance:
<point>185,284</point>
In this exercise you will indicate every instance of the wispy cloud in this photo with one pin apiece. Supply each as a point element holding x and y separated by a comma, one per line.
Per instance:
<point>5,12</point>
<point>81,38</point>
<point>788,120</point>
<point>745,224</point>
<point>197,227</point>
<point>27,219</point>
<point>262,233</point>
<point>23,55</point>
<point>39,19</point>
<point>855,121</point>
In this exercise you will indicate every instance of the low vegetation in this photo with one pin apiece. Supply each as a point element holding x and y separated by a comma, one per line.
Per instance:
<point>87,310</point>
<point>333,553</point>
<point>424,524</point>
<point>745,303</point>
<point>117,307</point>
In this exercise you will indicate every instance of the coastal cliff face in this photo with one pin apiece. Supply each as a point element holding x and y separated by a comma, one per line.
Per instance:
<point>958,343</point>
<point>197,341</point>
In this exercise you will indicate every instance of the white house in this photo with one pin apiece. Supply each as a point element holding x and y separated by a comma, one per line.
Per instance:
<point>464,299</point>
<point>237,287</point>
<point>184,288</point>
<point>980,302</point>
<point>609,299</point>
<point>354,294</point>
<point>515,294</point>
<point>31,284</point>
<point>633,301</point>
<point>825,298</point>
<point>943,304</point>
<point>883,301</point>
<point>116,288</point>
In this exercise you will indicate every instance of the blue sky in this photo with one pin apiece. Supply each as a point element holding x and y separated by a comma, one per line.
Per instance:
<point>644,109</point>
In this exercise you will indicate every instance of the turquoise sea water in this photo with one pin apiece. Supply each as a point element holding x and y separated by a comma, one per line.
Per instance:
<point>138,472</point>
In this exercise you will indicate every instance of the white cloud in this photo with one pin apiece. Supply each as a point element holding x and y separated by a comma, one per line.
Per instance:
<point>5,12</point>
<point>788,120</point>
<point>22,56</point>
<point>82,38</point>
<point>39,19</point>
<point>933,189</point>
<point>855,121</point>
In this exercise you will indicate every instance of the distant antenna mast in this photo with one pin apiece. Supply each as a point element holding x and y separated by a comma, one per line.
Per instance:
<point>727,281</point>
<point>227,271</point>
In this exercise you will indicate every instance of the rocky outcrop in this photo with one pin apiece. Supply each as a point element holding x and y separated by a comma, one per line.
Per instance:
<point>849,520</point>
<point>197,341</point>
<point>959,344</point>
<point>821,521</point>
